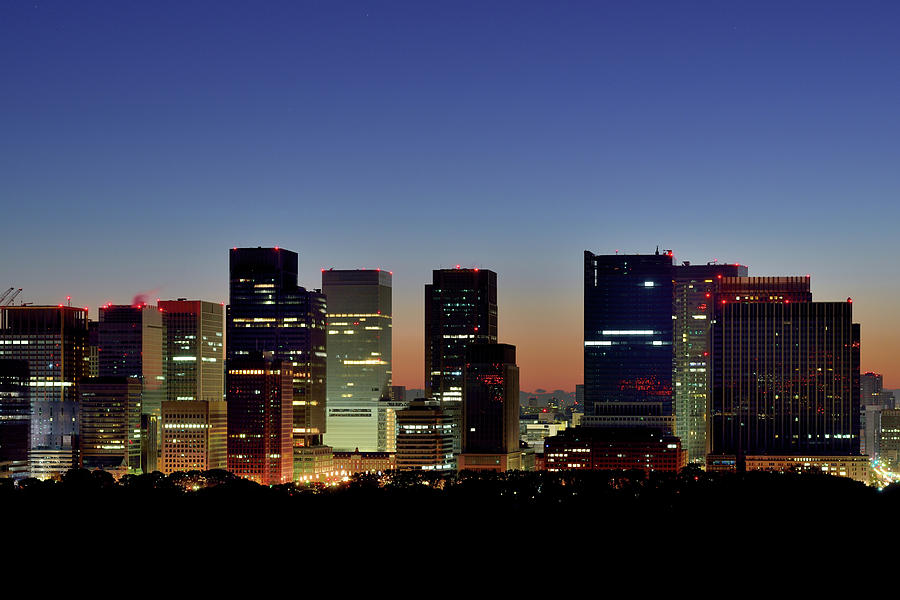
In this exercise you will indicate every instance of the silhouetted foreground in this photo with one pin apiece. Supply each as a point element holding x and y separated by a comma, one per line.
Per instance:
<point>404,510</point>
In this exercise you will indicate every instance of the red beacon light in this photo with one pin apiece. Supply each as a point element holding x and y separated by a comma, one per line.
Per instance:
<point>849,300</point>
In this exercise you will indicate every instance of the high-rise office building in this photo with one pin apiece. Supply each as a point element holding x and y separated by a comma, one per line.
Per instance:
<point>270,312</point>
<point>424,437</point>
<point>628,332</point>
<point>889,439</point>
<point>15,417</point>
<point>193,419</point>
<point>490,432</point>
<point>195,363</point>
<point>194,435</point>
<point>259,389</point>
<point>52,339</point>
<point>359,356</point>
<point>110,411</point>
<point>785,372</point>
<point>873,399</point>
<point>695,286</point>
<point>132,341</point>
<point>460,309</point>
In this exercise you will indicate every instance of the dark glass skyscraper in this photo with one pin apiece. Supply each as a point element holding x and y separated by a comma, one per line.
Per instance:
<point>460,310</point>
<point>15,417</point>
<point>52,339</point>
<point>490,429</point>
<point>270,312</point>
<point>628,332</point>
<point>785,372</point>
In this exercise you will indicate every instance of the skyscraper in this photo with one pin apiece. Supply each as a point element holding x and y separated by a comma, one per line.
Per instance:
<point>490,432</point>
<point>695,286</point>
<point>52,340</point>
<point>359,356</point>
<point>628,332</point>
<point>260,394</point>
<point>194,435</point>
<point>110,411</point>
<point>15,417</point>
<point>785,372</point>
<point>270,312</point>
<point>424,437</point>
<point>873,400</point>
<point>460,309</point>
<point>132,343</point>
<point>195,365</point>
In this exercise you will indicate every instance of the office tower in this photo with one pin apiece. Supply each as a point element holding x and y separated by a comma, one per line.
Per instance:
<point>132,342</point>
<point>424,437</point>
<point>785,372</point>
<point>110,415</point>
<point>15,417</point>
<point>260,395</point>
<point>490,432</point>
<point>195,365</point>
<point>52,340</point>
<point>872,392</point>
<point>614,449</point>
<point>460,309</point>
<point>889,439</point>
<point>695,286</point>
<point>398,393</point>
<point>269,312</point>
<point>628,329</point>
<point>359,356</point>
<point>873,400</point>
<point>194,435</point>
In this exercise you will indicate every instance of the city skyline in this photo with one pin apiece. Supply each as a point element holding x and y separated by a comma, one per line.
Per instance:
<point>141,144</point>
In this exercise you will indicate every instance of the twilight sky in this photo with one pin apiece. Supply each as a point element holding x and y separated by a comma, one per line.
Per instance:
<point>141,140</point>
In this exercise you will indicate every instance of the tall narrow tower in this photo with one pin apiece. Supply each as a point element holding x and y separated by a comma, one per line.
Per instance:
<point>359,356</point>
<point>460,310</point>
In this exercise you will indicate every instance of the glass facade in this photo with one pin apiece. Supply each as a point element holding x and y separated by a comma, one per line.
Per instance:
<point>132,343</point>
<point>359,357</point>
<point>460,309</point>
<point>195,366</point>
<point>110,409</point>
<point>491,405</point>
<point>628,334</point>
<point>53,341</point>
<point>15,416</point>
<point>269,312</point>
<point>785,378</point>
<point>695,287</point>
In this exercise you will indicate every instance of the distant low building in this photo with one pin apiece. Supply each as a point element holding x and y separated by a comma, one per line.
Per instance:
<point>350,463</point>
<point>854,467</point>
<point>602,449</point>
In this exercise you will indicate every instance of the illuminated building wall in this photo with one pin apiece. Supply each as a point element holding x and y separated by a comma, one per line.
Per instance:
<point>424,437</point>
<point>195,363</point>
<point>490,429</point>
<point>889,439</point>
<point>359,356</point>
<point>628,334</point>
<point>785,378</point>
<point>269,312</point>
<point>52,339</point>
<point>194,435</point>
<point>349,463</point>
<point>259,391</point>
<point>460,309</point>
<point>854,467</point>
<point>873,400</point>
<point>695,286</point>
<point>602,449</point>
<point>110,410</point>
<point>132,343</point>
<point>15,417</point>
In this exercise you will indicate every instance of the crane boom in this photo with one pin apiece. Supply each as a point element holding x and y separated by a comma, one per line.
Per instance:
<point>11,298</point>
<point>5,294</point>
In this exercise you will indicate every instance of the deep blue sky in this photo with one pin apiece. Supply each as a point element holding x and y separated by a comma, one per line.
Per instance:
<point>141,140</point>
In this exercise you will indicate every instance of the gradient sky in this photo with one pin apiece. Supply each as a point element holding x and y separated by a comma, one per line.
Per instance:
<point>141,140</point>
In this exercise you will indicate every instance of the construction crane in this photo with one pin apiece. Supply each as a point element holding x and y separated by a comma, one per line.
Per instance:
<point>9,300</point>
<point>5,294</point>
